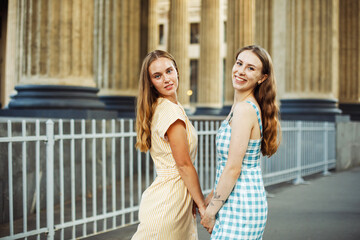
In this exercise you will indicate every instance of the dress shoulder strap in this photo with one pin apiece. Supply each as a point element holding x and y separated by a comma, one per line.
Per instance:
<point>231,115</point>
<point>257,114</point>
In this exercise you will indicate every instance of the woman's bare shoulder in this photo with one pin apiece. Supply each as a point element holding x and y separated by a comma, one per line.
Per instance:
<point>243,109</point>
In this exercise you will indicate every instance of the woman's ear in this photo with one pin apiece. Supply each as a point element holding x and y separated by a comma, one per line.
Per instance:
<point>265,76</point>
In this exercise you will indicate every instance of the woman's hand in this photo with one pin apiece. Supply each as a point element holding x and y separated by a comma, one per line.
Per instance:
<point>208,221</point>
<point>195,206</point>
<point>208,198</point>
<point>201,210</point>
<point>194,209</point>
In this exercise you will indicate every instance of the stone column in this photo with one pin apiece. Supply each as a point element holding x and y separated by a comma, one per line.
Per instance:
<point>263,26</point>
<point>312,58</point>
<point>10,78</point>
<point>178,46</point>
<point>153,28</point>
<point>117,53</point>
<point>55,42</point>
<point>240,32</point>
<point>117,46</point>
<point>53,63</point>
<point>210,84</point>
<point>276,38</point>
<point>349,64</point>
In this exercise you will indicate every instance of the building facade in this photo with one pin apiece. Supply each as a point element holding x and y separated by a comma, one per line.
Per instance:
<point>91,52</point>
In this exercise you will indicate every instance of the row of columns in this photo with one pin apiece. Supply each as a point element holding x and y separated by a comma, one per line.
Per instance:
<point>79,43</point>
<point>98,43</point>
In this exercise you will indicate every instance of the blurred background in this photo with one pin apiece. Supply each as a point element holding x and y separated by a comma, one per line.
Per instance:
<point>77,62</point>
<point>86,54</point>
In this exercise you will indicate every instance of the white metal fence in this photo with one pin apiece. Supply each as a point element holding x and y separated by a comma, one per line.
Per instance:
<point>69,179</point>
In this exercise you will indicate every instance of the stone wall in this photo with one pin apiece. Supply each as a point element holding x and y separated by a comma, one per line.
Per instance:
<point>347,145</point>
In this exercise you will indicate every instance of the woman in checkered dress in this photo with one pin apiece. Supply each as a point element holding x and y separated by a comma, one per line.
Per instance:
<point>237,207</point>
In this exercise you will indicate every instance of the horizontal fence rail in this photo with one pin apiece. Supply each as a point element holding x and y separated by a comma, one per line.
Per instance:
<point>68,179</point>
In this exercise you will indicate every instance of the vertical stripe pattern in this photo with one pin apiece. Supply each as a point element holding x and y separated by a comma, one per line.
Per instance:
<point>166,206</point>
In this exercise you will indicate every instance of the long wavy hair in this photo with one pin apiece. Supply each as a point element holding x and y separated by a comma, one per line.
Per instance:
<point>265,95</point>
<point>147,99</point>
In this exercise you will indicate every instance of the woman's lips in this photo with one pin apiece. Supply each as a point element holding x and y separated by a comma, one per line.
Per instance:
<point>239,80</point>
<point>169,87</point>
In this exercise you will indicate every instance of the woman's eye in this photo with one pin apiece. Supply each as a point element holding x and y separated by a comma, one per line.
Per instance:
<point>251,68</point>
<point>169,71</point>
<point>157,76</point>
<point>239,63</point>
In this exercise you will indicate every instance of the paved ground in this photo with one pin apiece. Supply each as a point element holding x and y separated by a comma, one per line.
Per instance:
<point>326,208</point>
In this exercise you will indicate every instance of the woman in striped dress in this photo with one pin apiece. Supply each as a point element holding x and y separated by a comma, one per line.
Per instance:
<point>237,206</point>
<point>163,128</point>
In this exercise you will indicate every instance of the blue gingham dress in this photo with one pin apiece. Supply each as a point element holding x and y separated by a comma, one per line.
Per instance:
<point>244,213</point>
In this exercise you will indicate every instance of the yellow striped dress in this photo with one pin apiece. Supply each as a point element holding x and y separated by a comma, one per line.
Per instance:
<point>166,206</point>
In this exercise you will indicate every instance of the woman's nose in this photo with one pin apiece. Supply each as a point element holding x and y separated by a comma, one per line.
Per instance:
<point>241,70</point>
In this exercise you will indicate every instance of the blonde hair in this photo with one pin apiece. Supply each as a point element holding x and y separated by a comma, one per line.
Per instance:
<point>265,95</point>
<point>146,100</point>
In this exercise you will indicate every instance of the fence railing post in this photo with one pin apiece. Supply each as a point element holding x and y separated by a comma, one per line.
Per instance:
<point>298,179</point>
<point>50,179</point>
<point>10,175</point>
<point>326,149</point>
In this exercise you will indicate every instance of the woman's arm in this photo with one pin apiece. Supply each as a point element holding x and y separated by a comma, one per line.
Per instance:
<point>209,197</point>
<point>241,127</point>
<point>180,149</point>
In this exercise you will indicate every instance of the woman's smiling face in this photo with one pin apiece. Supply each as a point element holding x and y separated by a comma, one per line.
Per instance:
<point>247,71</point>
<point>164,77</point>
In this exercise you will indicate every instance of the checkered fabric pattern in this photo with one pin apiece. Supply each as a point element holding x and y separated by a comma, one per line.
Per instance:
<point>243,215</point>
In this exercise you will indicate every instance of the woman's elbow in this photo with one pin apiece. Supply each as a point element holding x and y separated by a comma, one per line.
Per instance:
<point>184,167</point>
<point>234,171</point>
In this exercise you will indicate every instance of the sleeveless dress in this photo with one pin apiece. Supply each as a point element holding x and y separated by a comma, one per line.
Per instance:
<point>244,213</point>
<point>166,205</point>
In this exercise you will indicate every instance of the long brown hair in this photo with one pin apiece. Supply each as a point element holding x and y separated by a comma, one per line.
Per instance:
<point>146,100</point>
<point>265,95</point>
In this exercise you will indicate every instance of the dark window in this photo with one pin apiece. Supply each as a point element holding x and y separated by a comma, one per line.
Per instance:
<point>224,31</point>
<point>224,71</point>
<point>194,33</point>
<point>161,34</point>
<point>193,79</point>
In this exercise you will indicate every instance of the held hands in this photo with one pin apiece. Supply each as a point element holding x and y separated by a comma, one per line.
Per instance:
<point>208,221</point>
<point>200,209</point>
<point>194,209</point>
